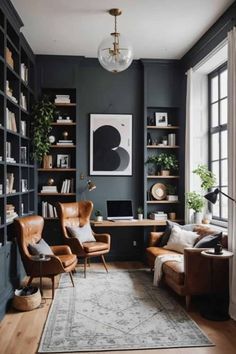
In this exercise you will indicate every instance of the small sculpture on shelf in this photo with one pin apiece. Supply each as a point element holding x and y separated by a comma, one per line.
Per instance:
<point>51,181</point>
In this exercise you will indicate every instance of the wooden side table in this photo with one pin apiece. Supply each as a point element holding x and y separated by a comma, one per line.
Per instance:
<point>214,311</point>
<point>41,258</point>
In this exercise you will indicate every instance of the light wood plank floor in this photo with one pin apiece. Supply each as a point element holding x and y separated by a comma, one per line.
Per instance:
<point>20,332</point>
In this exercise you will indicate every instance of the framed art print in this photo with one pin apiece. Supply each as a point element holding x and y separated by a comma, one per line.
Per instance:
<point>111,144</point>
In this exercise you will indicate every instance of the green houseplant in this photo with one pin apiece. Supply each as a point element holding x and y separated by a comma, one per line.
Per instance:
<point>167,163</point>
<point>171,193</point>
<point>98,215</point>
<point>196,202</point>
<point>208,179</point>
<point>140,213</point>
<point>152,162</point>
<point>43,114</point>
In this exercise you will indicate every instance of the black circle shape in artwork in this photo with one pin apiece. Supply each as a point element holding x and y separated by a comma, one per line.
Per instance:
<point>105,139</point>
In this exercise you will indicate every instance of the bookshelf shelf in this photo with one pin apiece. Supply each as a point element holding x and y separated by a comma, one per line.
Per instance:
<point>57,194</point>
<point>56,169</point>
<point>63,124</point>
<point>162,128</point>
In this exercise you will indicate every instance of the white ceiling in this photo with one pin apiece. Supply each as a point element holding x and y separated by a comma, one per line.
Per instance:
<point>164,29</point>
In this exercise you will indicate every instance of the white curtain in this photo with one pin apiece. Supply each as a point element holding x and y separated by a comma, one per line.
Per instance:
<point>232,165</point>
<point>196,137</point>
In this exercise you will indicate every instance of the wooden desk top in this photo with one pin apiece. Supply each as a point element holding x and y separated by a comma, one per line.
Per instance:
<point>127,223</point>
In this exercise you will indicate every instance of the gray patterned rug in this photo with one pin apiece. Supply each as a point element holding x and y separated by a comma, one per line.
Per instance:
<point>116,311</point>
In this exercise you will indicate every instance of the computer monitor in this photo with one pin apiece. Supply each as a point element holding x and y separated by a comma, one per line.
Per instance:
<point>119,210</point>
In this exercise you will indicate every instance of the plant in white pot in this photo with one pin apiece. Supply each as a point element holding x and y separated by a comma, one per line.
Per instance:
<point>98,215</point>
<point>140,213</point>
<point>196,202</point>
<point>167,163</point>
<point>171,193</point>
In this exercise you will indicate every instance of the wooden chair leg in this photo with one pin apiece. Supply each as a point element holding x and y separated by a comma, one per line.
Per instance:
<point>187,301</point>
<point>88,262</point>
<point>30,281</point>
<point>104,263</point>
<point>71,278</point>
<point>53,284</point>
<point>85,266</point>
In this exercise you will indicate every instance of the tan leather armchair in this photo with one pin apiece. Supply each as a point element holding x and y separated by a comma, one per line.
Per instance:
<point>29,230</point>
<point>78,214</point>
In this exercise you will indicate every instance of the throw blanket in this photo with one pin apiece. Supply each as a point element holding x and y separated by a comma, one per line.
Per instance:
<point>160,260</point>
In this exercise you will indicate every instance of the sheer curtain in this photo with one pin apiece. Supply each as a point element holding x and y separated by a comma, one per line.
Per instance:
<point>232,164</point>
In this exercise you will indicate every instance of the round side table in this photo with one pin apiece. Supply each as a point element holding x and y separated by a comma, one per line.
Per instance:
<point>215,310</point>
<point>41,258</point>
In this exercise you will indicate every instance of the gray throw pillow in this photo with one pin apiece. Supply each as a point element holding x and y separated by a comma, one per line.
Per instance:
<point>40,248</point>
<point>83,234</point>
<point>209,241</point>
<point>169,225</point>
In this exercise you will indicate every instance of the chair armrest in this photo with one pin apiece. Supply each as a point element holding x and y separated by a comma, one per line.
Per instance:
<point>106,238</point>
<point>52,267</point>
<point>154,237</point>
<point>57,250</point>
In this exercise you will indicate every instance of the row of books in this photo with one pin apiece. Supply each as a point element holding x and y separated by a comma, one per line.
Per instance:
<point>62,99</point>
<point>24,72</point>
<point>11,214</point>
<point>23,101</point>
<point>65,142</point>
<point>68,186</point>
<point>158,215</point>
<point>9,92</point>
<point>11,120</point>
<point>8,153</point>
<point>49,210</point>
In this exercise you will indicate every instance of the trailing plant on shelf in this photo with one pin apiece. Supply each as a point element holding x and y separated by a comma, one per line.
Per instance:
<point>208,179</point>
<point>43,113</point>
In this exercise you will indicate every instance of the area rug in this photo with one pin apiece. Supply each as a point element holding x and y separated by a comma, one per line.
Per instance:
<point>120,310</point>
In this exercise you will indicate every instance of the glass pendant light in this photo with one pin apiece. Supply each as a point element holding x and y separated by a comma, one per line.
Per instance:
<point>115,54</point>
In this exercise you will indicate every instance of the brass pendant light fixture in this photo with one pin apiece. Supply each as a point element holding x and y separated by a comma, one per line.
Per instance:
<point>115,54</point>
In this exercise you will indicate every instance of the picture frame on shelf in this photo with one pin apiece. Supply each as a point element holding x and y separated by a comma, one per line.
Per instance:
<point>111,144</point>
<point>161,119</point>
<point>63,161</point>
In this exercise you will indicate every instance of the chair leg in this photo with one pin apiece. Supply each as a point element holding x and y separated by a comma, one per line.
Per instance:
<point>30,281</point>
<point>71,278</point>
<point>88,262</point>
<point>187,301</point>
<point>85,266</point>
<point>53,284</point>
<point>104,263</point>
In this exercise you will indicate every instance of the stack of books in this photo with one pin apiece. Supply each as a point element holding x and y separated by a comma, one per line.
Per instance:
<point>65,142</point>
<point>62,99</point>
<point>24,72</point>
<point>10,213</point>
<point>10,183</point>
<point>1,189</point>
<point>68,186</point>
<point>11,120</point>
<point>64,120</point>
<point>159,216</point>
<point>49,189</point>
<point>48,210</point>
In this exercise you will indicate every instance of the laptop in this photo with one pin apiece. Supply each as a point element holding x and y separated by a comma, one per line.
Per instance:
<point>119,210</point>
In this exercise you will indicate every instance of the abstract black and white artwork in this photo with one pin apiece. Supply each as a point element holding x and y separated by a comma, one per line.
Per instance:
<point>111,144</point>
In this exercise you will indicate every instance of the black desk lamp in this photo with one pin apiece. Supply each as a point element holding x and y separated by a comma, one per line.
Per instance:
<point>212,196</point>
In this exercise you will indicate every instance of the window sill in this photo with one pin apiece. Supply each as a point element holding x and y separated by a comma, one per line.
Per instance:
<point>221,225</point>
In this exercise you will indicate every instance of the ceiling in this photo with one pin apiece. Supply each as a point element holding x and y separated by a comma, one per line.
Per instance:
<point>164,29</point>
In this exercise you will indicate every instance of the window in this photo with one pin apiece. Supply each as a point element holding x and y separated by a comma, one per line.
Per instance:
<point>218,154</point>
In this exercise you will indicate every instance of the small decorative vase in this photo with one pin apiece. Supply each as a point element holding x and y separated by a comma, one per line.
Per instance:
<point>172,216</point>
<point>197,218</point>
<point>140,216</point>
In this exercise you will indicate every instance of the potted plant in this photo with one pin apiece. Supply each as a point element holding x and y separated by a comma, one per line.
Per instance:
<point>167,163</point>
<point>140,213</point>
<point>196,202</point>
<point>171,193</point>
<point>98,215</point>
<point>43,114</point>
<point>152,161</point>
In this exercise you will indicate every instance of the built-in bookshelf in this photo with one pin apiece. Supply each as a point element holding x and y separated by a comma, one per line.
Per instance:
<point>57,178</point>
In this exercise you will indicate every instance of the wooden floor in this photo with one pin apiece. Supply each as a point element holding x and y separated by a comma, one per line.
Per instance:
<point>20,332</point>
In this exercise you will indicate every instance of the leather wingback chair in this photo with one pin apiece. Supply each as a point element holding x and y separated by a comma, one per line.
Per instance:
<point>29,230</point>
<point>78,214</point>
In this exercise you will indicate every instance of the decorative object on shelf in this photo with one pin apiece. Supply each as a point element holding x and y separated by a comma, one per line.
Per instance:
<point>47,161</point>
<point>172,139</point>
<point>52,139</point>
<point>9,58</point>
<point>98,215</point>
<point>164,141</point>
<point>152,165</point>
<point>115,54</point>
<point>171,193</point>
<point>161,119</point>
<point>65,135</point>
<point>63,161</point>
<point>23,154</point>
<point>140,213</point>
<point>24,185</point>
<point>167,163</point>
<point>212,196</point>
<point>172,215</point>
<point>51,181</point>
<point>195,201</point>
<point>158,191</point>
<point>149,139</point>
<point>43,114</point>
<point>111,144</point>
<point>23,127</point>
